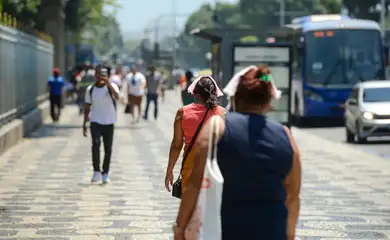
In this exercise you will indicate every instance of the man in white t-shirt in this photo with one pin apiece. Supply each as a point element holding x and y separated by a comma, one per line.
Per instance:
<point>100,109</point>
<point>116,78</point>
<point>136,83</point>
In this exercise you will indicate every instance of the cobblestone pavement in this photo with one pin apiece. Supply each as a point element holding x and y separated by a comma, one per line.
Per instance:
<point>45,191</point>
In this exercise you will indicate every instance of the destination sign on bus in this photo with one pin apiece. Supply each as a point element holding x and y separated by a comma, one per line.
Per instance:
<point>330,17</point>
<point>319,34</point>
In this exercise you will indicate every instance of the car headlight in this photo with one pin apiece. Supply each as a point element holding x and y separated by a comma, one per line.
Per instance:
<point>368,115</point>
<point>312,95</point>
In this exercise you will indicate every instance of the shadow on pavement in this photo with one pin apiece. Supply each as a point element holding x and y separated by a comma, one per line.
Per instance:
<point>374,142</point>
<point>59,130</point>
<point>322,124</point>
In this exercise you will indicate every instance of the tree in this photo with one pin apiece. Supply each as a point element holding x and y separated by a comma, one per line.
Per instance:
<point>24,11</point>
<point>193,49</point>
<point>265,13</point>
<point>88,18</point>
<point>80,13</point>
<point>106,35</point>
<point>365,9</point>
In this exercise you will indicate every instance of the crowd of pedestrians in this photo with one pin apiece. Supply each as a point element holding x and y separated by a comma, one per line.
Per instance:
<point>258,158</point>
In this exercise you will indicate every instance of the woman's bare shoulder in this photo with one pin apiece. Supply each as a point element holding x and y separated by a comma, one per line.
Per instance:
<point>221,111</point>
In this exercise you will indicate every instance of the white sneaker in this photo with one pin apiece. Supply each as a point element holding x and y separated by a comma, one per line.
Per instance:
<point>96,177</point>
<point>106,179</point>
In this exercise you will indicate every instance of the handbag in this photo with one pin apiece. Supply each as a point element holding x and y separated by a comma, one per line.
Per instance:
<point>205,222</point>
<point>177,186</point>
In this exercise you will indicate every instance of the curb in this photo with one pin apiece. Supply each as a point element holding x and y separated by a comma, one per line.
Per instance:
<point>12,133</point>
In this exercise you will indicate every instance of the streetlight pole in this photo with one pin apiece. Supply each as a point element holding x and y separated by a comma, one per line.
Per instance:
<point>282,12</point>
<point>383,14</point>
<point>174,33</point>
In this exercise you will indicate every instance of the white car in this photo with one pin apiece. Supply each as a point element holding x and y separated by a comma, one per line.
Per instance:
<point>367,111</point>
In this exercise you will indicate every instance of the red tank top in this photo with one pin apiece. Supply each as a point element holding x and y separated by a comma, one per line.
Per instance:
<point>192,116</point>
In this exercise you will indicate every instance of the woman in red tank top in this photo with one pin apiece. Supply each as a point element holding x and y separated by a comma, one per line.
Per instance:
<point>187,121</point>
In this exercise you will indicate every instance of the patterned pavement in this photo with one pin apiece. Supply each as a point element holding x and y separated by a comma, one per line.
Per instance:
<point>45,191</point>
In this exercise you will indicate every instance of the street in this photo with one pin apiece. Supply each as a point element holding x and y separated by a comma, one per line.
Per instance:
<point>375,146</point>
<point>45,191</point>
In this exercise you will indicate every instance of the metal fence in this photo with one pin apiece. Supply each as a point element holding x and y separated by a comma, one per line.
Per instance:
<point>26,61</point>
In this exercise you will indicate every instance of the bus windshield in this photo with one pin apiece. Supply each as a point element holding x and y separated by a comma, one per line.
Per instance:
<point>335,57</point>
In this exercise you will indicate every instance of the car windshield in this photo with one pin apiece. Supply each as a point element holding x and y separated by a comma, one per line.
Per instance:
<point>376,95</point>
<point>343,56</point>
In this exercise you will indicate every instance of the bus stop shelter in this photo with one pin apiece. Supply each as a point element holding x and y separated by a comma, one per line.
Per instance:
<point>230,55</point>
<point>222,41</point>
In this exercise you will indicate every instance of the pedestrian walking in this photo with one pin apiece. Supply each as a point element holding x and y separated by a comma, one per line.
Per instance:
<point>87,80</point>
<point>153,84</point>
<point>164,86</point>
<point>260,164</point>
<point>187,125</point>
<point>56,85</point>
<point>100,110</point>
<point>136,83</point>
<point>187,97</point>
<point>117,78</point>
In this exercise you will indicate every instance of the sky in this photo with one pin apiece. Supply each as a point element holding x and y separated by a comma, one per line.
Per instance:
<point>134,16</point>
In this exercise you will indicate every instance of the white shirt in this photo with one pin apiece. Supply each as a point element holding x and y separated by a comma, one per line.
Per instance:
<point>134,83</point>
<point>102,107</point>
<point>116,79</point>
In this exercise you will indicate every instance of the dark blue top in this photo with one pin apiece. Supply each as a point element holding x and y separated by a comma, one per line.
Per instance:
<point>56,85</point>
<point>255,156</point>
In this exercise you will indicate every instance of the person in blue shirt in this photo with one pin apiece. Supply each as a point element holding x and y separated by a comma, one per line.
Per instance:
<point>56,89</point>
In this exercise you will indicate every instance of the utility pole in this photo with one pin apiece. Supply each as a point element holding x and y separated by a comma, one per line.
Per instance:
<point>282,12</point>
<point>174,33</point>
<point>383,14</point>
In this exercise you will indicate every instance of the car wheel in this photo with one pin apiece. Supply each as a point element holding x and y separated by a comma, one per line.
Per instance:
<point>358,136</point>
<point>350,137</point>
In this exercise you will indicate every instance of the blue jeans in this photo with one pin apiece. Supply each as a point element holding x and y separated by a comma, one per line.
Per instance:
<point>149,98</point>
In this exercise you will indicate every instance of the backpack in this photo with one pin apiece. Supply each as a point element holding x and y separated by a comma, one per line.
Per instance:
<point>109,91</point>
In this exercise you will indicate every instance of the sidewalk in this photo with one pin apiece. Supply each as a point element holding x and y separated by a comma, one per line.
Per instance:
<point>45,191</point>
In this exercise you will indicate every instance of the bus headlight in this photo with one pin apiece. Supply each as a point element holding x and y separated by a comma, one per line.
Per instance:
<point>368,115</point>
<point>313,96</point>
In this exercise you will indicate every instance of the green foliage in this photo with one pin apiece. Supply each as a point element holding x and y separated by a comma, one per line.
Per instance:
<point>249,39</point>
<point>23,10</point>
<point>260,13</point>
<point>255,14</point>
<point>194,49</point>
<point>365,9</point>
<point>106,35</point>
<point>80,13</point>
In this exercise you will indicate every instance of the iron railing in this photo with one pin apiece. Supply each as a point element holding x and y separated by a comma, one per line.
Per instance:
<point>26,62</point>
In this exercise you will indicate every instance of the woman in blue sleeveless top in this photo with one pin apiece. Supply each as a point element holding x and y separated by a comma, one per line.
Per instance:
<point>260,164</point>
